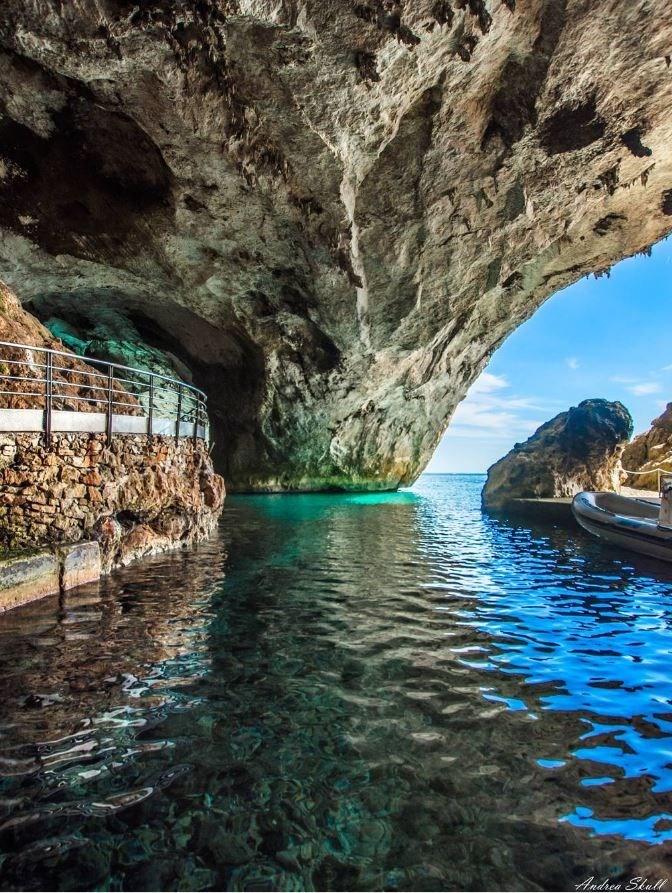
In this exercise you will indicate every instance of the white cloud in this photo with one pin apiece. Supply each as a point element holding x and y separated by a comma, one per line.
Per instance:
<point>644,388</point>
<point>489,412</point>
<point>572,362</point>
<point>507,431</point>
<point>636,386</point>
<point>486,383</point>
<point>482,434</point>
<point>475,414</point>
<point>620,379</point>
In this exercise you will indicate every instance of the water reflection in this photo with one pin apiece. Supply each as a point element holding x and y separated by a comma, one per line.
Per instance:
<point>87,686</point>
<point>366,692</point>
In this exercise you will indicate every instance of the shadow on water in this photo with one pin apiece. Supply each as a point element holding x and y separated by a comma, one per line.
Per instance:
<point>380,691</point>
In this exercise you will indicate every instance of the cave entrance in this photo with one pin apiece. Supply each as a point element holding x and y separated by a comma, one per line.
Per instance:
<point>165,337</point>
<point>603,336</point>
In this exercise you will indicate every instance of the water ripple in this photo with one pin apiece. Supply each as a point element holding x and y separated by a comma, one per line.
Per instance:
<point>344,692</point>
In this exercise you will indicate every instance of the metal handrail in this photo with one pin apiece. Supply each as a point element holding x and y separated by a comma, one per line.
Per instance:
<point>151,387</point>
<point>91,360</point>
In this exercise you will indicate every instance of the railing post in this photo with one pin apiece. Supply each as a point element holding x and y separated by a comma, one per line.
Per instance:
<point>150,414</point>
<point>109,404</point>
<point>48,398</point>
<point>179,412</point>
<point>196,413</point>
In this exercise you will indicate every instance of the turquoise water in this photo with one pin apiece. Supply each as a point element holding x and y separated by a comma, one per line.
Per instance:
<point>348,693</point>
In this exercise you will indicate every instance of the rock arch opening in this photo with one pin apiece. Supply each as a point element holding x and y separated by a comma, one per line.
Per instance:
<point>599,338</point>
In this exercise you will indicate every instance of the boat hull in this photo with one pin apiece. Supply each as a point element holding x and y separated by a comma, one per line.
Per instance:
<point>624,522</point>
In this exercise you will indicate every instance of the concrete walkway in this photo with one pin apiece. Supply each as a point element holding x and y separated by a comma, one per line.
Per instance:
<point>559,508</point>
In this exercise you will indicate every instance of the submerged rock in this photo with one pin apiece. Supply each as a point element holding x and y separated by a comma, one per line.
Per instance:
<point>330,212</point>
<point>648,452</point>
<point>577,450</point>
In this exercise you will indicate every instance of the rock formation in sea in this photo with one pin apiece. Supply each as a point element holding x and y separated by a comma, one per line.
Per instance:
<point>577,450</point>
<point>329,212</point>
<point>649,451</point>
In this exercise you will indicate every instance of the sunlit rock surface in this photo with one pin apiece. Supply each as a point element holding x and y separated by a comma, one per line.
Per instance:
<point>135,496</point>
<point>649,451</point>
<point>330,212</point>
<point>19,327</point>
<point>577,450</point>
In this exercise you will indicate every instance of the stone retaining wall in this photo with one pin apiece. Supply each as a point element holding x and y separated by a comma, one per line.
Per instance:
<point>136,496</point>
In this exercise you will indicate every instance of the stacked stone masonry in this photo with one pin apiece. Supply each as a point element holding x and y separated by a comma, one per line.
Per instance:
<point>135,496</point>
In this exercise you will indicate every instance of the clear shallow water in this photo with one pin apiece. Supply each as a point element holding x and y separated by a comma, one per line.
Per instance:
<point>348,693</point>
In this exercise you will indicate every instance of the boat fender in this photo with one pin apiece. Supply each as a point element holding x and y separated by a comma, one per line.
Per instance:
<point>665,515</point>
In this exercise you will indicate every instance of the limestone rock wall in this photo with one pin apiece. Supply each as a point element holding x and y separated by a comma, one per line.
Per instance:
<point>135,496</point>
<point>648,451</point>
<point>577,450</point>
<point>19,327</point>
<point>331,211</point>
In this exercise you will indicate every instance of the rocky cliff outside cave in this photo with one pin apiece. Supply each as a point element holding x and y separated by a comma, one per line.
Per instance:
<point>326,213</point>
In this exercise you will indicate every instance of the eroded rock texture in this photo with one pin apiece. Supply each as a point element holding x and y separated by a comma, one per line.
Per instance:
<point>648,452</point>
<point>577,450</point>
<point>23,369</point>
<point>331,211</point>
<point>135,496</point>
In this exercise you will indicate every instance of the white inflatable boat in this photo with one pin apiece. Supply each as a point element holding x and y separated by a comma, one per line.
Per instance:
<point>624,522</point>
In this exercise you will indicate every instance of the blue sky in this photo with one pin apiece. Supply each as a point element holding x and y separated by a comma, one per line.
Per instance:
<point>598,338</point>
